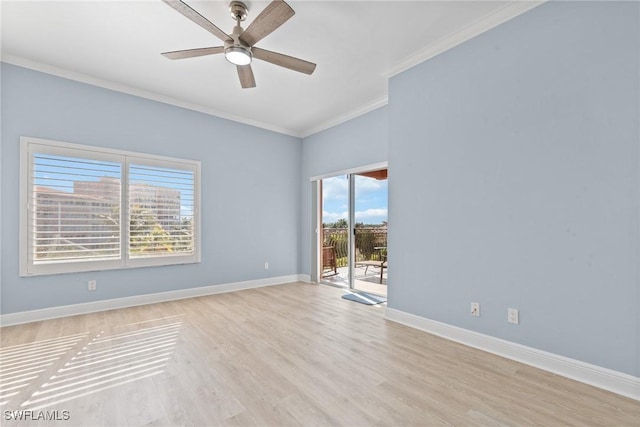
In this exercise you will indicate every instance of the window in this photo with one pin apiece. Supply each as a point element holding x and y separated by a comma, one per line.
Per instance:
<point>84,208</point>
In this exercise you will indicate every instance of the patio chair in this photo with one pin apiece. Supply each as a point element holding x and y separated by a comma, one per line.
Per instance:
<point>329,260</point>
<point>373,263</point>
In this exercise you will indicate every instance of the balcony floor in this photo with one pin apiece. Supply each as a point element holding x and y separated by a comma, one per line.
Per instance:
<point>369,282</point>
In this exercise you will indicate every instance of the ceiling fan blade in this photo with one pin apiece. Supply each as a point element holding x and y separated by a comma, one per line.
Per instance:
<point>188,12</point>
<point>246,76</point>
<point>274,15</point>
<point>192,53</point>
<point>285,61</point>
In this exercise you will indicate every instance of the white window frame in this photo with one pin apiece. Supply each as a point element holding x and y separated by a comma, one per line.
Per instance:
<point>30,145</point>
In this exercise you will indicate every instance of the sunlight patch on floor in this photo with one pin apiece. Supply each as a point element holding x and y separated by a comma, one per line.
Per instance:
<point>79,365</point>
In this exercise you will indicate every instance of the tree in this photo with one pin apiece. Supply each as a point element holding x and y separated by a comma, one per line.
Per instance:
<point>146,235</point>
<point>341,223</point>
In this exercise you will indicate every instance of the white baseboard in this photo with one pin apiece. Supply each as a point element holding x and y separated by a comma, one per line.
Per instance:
<point>306,278</point>
<point>110,304</point>
<point>607,379</point>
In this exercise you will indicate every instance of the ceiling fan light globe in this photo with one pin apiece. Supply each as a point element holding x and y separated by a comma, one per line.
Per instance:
<point>237,55</point>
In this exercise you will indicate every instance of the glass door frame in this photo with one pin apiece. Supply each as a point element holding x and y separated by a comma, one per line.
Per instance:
<point>351,257</point>
<point>316,219</point>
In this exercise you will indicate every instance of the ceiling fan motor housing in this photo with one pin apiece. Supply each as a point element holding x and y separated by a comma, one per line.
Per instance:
<point>238,10</point>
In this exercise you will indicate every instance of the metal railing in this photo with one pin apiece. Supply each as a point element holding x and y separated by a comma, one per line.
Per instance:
<point>370,243</point>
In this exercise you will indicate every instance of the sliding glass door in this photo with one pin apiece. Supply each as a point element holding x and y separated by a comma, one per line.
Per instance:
<point>353,232</point>
<point>334,237</point>
<point>370,232</point>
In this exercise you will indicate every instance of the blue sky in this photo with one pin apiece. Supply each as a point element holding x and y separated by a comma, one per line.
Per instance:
<point>370,199</point>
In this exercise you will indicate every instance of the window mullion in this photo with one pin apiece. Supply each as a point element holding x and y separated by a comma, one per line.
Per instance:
<point>125,218</point>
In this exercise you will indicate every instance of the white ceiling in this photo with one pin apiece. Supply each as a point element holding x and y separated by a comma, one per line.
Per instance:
<point>357,45</point>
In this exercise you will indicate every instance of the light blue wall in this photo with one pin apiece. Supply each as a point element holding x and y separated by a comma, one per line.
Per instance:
<point>1,198</point>
<point>515,183</point>
<point>250,186</point>
<point>358,142</point>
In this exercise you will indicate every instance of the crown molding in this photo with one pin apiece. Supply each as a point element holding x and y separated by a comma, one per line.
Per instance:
<point>484,24</point>
<point>510,10</point>
<point>130,90</point>
<point>352,114</point>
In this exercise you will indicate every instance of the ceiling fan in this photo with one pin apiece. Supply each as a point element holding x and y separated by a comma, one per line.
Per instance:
<point>239,46</point>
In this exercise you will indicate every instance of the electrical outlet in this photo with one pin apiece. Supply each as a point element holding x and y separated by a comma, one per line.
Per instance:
<point>91,285</point>
<point>475,309</point>
<point>266,265</point>
<point>512,316</point>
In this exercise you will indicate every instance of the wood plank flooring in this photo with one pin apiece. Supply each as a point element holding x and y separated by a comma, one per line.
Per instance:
<point>288,355</point>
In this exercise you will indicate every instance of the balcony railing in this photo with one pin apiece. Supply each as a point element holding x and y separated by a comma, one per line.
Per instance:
<point>370,243</point>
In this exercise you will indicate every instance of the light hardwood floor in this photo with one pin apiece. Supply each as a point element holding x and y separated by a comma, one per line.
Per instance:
<point>287,355</point>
